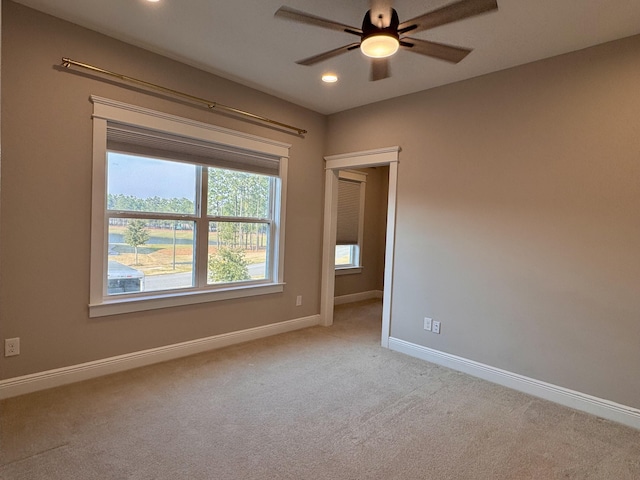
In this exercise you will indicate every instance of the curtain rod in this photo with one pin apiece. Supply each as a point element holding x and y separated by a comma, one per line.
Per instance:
<point>67,62</point>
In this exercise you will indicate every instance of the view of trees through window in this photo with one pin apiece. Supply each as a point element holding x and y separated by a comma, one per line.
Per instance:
<point>153,213</point>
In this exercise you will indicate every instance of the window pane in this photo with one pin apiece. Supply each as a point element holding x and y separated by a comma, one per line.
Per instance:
<point>149,255</point>
<point>238,194</point>
<point>237,252</point>
<point>345,255</point>
<point>142,184</point>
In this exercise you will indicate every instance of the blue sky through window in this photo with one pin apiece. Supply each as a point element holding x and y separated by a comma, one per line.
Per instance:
<point>145,177</point>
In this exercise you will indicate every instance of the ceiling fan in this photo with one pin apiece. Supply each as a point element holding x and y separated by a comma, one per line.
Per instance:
<point>382,34</point>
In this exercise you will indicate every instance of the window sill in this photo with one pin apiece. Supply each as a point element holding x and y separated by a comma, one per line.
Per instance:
<point>139,303</point>
<point>348,270</point>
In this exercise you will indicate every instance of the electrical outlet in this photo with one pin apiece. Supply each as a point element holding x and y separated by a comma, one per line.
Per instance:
<point>11,347</point>
<point>298,300</point>
<point>427,324</point>
<point>436,327</point>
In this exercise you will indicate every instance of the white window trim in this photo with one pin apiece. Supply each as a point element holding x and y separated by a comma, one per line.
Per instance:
<point>348,270</point>
<point>105,110</point>
<point>360,177</point>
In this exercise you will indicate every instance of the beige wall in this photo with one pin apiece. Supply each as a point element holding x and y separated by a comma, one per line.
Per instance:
<point>46,188</point>
<point>375,225</point>
<point>518,216</point>
<point>517,226</point>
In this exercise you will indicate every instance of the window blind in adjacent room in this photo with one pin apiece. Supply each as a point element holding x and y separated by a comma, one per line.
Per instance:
<point>348,212</point>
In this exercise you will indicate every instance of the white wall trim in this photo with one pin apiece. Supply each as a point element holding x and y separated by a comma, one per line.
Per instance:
<point>152,301</point>
<point>330,228</point>
<point>570,398</point>
<point>348,271</point>
<point>357,297</point>
<point>13,387</point>
<point>369,158</point>
<point>128,114</point>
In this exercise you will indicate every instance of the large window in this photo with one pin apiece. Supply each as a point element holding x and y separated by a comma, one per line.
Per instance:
<point>183,212</point>
<point>153,224</point>
<point>350,227</point>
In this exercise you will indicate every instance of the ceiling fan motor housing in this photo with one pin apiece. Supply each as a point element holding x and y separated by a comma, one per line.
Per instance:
<point>369,29</point>
<point>380,41</point>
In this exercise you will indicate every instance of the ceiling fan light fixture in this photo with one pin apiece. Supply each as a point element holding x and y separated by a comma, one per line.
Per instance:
<point>381,32</point>
<point>380,45</point>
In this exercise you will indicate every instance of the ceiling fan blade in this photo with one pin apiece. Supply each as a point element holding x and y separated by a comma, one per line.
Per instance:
<point>302,17</point>
<point>327,55</point>
<point>448,14</point>
<point>380,12</point>
<point>448,53</point>
<point>379,69</point>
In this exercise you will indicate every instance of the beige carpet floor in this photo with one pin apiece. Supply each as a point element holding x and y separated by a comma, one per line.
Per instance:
<point>319,403</point>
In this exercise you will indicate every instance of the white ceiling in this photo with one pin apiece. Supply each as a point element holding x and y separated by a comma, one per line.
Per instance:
<point>242,41</point>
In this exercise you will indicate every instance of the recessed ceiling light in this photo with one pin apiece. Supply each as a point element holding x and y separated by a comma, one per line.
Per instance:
<point>329,78</point>
<point>153,1</point>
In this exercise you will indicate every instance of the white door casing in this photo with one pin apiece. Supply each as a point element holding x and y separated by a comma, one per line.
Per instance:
<point>334,163</point>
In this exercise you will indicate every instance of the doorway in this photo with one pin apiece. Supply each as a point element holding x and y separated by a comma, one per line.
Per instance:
<point>334,163</point>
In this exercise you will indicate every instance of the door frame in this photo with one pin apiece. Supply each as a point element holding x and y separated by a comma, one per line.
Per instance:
<point>334,163</point>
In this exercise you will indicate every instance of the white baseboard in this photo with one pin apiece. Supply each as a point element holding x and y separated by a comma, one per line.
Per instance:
<point>13,387</point>
<point>580,401</point>
<point>357,297</point>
